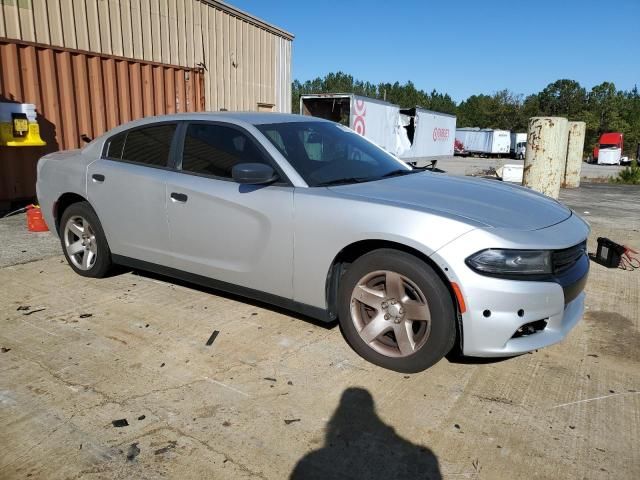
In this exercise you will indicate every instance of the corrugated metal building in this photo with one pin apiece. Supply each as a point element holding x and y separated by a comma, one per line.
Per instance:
<point>89,65</point>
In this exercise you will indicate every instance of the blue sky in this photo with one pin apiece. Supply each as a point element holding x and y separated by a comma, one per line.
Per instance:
<point>462,47</point>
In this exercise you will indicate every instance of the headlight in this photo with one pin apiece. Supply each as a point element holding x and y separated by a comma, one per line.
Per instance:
<point>511,262</point>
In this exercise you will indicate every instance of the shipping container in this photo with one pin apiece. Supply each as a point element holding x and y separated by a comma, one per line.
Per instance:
<point>483,141</point>
<point>80,95</point>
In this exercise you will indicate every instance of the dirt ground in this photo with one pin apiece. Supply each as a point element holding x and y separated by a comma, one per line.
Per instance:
<point>276,396</point>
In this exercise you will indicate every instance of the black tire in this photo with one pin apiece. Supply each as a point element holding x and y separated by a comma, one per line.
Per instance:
<point>102,264</point>
<point>441,337</point>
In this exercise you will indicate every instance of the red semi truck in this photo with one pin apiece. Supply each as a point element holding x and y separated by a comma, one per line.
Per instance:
<point>612,143</point>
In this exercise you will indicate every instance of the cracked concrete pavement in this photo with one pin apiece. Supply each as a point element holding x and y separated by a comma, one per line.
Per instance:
<point>277,396</point>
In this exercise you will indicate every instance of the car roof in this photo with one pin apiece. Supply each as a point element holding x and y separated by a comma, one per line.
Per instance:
<point>237,118</point>
<point>253,118</point>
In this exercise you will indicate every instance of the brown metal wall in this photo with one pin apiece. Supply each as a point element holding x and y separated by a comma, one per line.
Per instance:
<point>248,61</point>
<point>80,93</point>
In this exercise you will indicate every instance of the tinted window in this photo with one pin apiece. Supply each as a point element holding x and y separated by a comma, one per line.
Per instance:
<point>114,148</point>
<point>327,153</point>
<point>214,150</point>
<point>149,145</point>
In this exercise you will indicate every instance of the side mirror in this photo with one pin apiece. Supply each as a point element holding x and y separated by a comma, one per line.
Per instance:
<point>253,173</point>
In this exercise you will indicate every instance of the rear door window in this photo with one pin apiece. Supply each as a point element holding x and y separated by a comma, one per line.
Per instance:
<point>148,145</point>
<point>115,146</point>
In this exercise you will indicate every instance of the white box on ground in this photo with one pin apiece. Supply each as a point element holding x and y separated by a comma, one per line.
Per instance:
<point>511,172</point>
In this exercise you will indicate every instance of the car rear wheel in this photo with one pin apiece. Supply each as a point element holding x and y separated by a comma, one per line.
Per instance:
<point>83,241</point>
<point>396,312</point>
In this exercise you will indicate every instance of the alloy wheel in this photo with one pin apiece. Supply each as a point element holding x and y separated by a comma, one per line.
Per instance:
<point>390,313</point>
<point>80,243</point>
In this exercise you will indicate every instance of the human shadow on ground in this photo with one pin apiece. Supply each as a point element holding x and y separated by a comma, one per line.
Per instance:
<point>358,445</point>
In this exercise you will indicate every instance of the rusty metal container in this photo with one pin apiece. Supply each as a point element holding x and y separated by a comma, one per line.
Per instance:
<point>80,94</point>
<point>575,150</point>
<point>546,154</point>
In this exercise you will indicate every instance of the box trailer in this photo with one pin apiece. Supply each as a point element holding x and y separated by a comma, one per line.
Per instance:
<point>484,141</point>
<point>518,145</point>
<point>376,120</point>
<point>430,134</point>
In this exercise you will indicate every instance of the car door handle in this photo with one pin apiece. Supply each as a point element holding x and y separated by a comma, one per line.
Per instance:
<point>98,177</point>
<point>179,197</point>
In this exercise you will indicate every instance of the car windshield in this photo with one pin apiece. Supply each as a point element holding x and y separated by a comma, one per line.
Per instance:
<point>325,153</point>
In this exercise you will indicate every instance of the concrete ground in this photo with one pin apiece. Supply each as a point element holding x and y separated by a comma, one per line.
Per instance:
<point>477,166</point>
<point>277,396</point>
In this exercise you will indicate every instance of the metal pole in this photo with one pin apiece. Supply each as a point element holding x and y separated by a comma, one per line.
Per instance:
<point>575,149</point>
<point>546,154</point>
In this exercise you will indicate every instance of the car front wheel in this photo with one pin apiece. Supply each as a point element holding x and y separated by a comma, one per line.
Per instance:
<point>396,312</point>
<point>83,241</point>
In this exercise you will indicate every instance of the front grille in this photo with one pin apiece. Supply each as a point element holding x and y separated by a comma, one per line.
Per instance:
<point>563,260</point>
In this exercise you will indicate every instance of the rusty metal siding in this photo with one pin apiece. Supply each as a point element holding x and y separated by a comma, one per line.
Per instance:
<point>248,61</point>
<point>80,93</point>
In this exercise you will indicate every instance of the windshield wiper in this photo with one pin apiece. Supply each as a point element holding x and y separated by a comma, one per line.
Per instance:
<point>343,181</point>
<point>397,173</point>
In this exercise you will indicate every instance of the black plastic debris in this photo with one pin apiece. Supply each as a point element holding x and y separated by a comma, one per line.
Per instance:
<point>457,426</point>
<point>120,423</point>
<point>162,364</point>
<point>289,382</point>
<point>290,421</point>
<point>5,349</point>
<point>171,446</point>
<point>86,315</point>
<point>133,451</point>
<point>270,379</point>
<point>142,417</point>
<point>212,338</point>
<point>34,311</point>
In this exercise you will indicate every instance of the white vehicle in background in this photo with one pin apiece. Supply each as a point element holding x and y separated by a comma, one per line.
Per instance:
<point>485,142</point>
<point>610,156</point>
<point>518,145</point>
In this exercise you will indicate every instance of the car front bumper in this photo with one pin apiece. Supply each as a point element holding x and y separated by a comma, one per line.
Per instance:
<point>496,308</point>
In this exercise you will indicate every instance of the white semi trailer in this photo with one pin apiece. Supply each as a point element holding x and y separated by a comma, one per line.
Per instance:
<point>485,141</point>
<point>374,119</point>
<point>410,134</point>
<point>431,134</point>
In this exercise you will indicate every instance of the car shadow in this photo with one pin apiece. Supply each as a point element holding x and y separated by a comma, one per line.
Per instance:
<point>456,357</point>
<point>358,444</point>
<point>231,296</point>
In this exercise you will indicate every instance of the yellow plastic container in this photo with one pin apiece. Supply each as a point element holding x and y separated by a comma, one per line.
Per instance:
<point>31,139</point>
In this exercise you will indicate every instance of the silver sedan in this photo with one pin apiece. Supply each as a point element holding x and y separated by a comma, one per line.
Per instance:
<point>306,214</point>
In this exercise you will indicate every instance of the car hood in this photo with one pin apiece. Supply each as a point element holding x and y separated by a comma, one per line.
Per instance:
<point>490,203</point>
